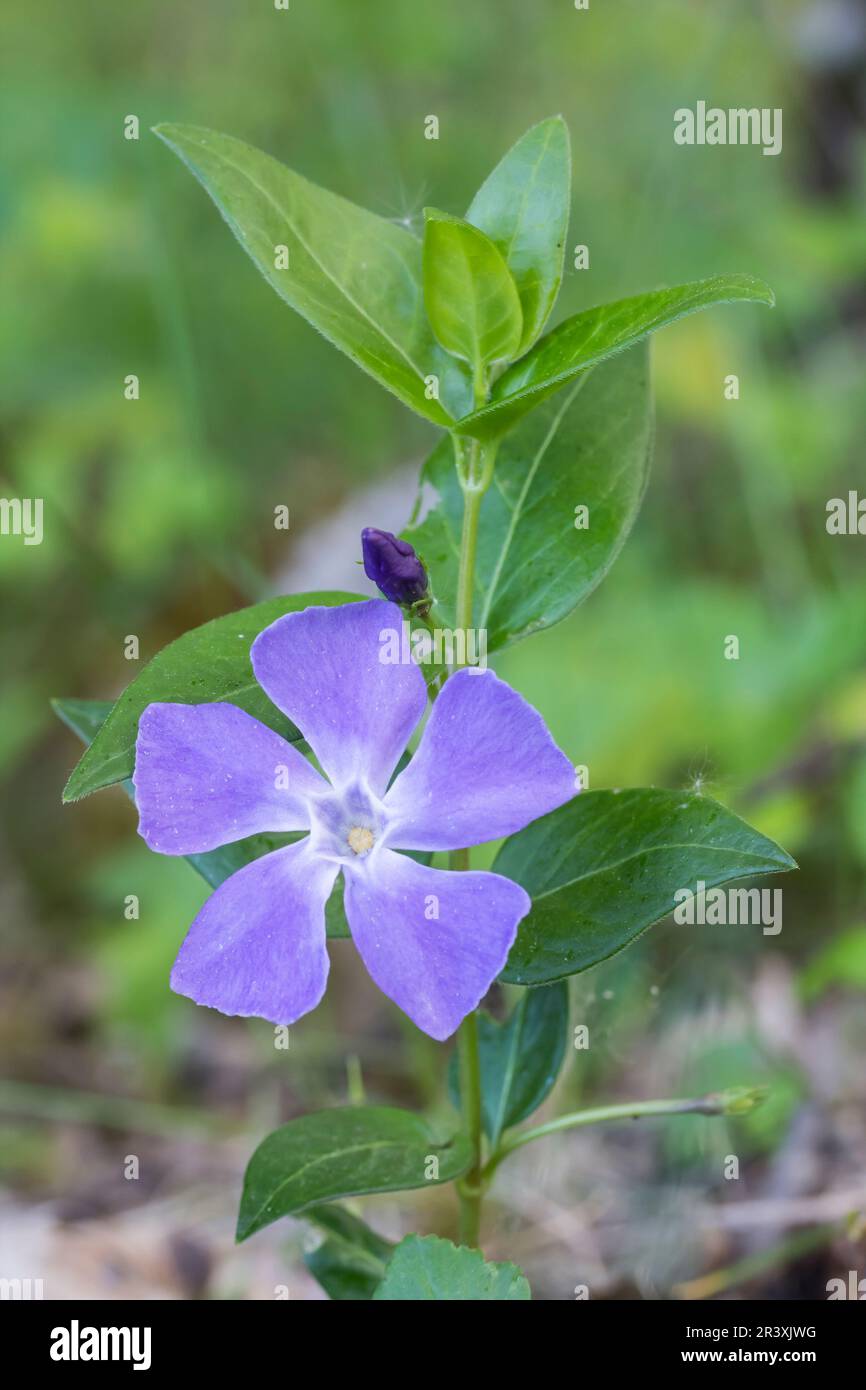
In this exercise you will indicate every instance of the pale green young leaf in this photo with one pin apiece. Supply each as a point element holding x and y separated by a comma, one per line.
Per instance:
<point>355,276</point>
<point>591,336</point>
<point>469,293</point>
<point>523,207</point>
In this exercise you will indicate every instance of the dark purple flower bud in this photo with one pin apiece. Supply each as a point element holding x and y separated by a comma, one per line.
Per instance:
<point>393,566</point>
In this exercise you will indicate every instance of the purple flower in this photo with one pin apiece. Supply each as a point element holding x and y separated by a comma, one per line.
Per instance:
<point>393,566</point>
<point>433,940</point>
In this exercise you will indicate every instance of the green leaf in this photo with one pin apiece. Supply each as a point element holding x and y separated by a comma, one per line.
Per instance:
<point>470,297</point>
<point>523,207</point>
<point>351,1262</point>
<point>342,1153</point>
<point>207,663</point>
<point>356,277</point>
<point>519,1059</point>
<point>590,446</point>
<point>606,866</point>
<point>84,717</point>
<point>424,1268</point>
<point>593,335</point>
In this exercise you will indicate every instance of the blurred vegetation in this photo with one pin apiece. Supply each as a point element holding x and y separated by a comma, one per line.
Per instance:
<point>158,513</point>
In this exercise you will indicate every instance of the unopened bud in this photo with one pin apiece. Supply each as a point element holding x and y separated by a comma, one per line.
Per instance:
<point>739,1100</point>
<point>393,566</point>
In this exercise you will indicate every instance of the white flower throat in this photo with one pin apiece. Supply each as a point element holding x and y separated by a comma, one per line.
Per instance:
<point>347,825</point>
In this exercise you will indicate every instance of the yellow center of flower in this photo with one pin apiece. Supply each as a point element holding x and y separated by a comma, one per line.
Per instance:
<point>360,839</point>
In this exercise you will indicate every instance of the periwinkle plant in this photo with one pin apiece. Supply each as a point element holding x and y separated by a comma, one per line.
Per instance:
<point>213,731</point>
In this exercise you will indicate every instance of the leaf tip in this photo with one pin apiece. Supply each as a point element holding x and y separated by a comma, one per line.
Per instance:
<point>766,294</point>
<point>71,792</point>
<point>548,122</point>
<point>170,135</point>
<point>175,134</point>
<point>780,856</point>
<point>247,1222</point>
<point>756,289</point>
<point>559,124</point>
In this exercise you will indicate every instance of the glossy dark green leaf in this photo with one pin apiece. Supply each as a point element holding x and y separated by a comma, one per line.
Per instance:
<point>343,1153</point>
<point>207,663</point>
<point>590,446</point>
<point>470,296</point>
<point>352,1259</point>
<point>523,207</point>
<point>355,276</point>
<point>520,1058</point>
<point>606,866</point>
<point>84,717</point>
<point>593,335</point>
<point>427,1268</point>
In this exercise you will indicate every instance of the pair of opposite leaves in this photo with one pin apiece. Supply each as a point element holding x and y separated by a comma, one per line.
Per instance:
<point>480,290</point>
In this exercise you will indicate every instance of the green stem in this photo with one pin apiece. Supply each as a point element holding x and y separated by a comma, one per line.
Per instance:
<point>468,545</point>
<point>720,1103</point>
<point>479,384</point>
<point>469,1188</point>
<point>474,463</point>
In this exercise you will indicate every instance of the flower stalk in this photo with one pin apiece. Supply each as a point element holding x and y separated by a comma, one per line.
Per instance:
<point>738,1100</point>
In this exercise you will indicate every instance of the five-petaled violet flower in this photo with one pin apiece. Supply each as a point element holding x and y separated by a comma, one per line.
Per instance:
<point>433,940</point>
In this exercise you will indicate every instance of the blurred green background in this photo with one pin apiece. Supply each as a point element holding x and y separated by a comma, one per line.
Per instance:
<point>159,515</point>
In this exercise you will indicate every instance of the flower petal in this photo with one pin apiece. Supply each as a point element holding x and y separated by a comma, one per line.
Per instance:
<point>257,947</point>
<point>433,941</point>
<point>322,668</point>
<point>206,775</point>
<point>485,767</point>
